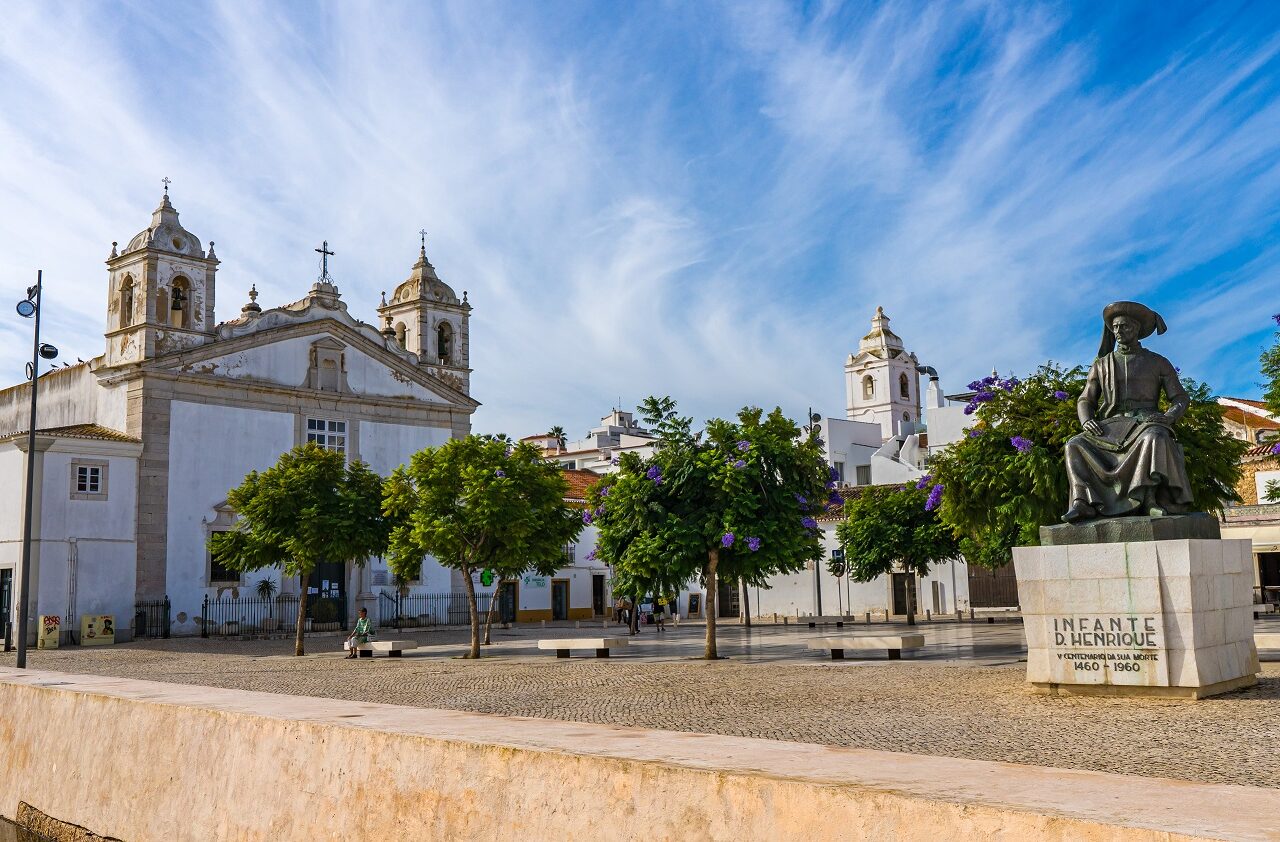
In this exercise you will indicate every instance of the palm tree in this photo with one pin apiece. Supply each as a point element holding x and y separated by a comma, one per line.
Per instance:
<point>558,432</point>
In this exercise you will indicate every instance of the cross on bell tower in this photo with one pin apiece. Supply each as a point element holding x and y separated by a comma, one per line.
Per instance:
<point>325,254</point>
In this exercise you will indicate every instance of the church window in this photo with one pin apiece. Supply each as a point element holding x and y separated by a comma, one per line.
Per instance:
<point>868,387</point>
<point>181,292</point>
<point>444,342</point>
<point>126,301</point>
<point>220,574</point>
<point>402,335</point>
<point>331,435</point>
<point>904,386</point>
<point>88,480</point>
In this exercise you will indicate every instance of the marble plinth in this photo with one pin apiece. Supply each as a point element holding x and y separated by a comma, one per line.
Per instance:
<point>1144,618</point>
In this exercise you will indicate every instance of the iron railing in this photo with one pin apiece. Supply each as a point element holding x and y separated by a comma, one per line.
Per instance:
<point>151,618</point>
<point>226,616</point>
<point>403,611</point>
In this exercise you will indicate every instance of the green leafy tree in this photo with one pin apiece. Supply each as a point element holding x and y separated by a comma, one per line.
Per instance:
<point>1271,371</point>
<point>736,500</point>
<point>1008,476</point>
<point>310,507</point>
<point>475,503</point>
<point>889,526</point>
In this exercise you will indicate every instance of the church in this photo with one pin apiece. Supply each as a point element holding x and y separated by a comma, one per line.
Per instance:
<point>136,449</point>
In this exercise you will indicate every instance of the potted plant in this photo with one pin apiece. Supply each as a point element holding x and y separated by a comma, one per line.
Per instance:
<point>266,589</point>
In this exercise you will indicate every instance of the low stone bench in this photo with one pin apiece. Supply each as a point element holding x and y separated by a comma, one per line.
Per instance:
<point>602,645</point>
<point>392,648</point>
<point>1267,640</point>
<point>894,644</point>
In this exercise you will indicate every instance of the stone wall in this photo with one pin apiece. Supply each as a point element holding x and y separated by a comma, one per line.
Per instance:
<point>146,761</point>
<point>1247,487</point>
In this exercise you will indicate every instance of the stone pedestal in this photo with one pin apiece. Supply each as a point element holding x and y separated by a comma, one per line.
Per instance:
<point>1142,618</point>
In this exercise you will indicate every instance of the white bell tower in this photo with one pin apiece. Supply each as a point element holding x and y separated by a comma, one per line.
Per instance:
<point>882,385</point>
<point>160,291</point>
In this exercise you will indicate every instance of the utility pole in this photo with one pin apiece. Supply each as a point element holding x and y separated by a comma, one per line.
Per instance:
<point>27,308</point>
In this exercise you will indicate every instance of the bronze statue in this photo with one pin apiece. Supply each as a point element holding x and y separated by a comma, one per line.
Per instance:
<point>1127,461</point>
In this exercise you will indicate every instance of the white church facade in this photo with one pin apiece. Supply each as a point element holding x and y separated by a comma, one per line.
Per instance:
<point>136,449</point>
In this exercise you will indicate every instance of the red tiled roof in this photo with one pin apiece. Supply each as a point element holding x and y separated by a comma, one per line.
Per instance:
<point>579,481</point>
<point>1261,451</point>
<point>80,431</point>
<point>1250,402</point>
<point>849,492</point>
<point>1250,420</point>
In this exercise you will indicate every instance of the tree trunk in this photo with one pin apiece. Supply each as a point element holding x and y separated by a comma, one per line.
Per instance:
<point>746,603</point>
<point>493,609</point>
<point>633,616</point>
<point>474,652</point>
<point>302,614</point>
<point>713,559</point>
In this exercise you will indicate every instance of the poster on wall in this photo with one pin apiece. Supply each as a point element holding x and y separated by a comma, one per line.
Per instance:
<point>50,632</point>
<point>695,604</point>
<point>97,629</point>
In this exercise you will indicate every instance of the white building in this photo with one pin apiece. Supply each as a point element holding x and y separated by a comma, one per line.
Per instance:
<point>599,450</point>
<point>136,449</point>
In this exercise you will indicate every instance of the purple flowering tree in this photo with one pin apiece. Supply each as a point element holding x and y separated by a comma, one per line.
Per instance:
<point>890,528</point>
<point>1007,477</point>
<point>728,503</point>
<point>475,503</point>
<point>1270,361</point>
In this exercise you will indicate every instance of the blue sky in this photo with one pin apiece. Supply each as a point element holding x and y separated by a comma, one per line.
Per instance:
<point>696,199</point>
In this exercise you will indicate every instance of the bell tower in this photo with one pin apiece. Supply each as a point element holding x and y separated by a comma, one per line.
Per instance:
<point>160,291</point>
<point>882,385</point>
<point>426,317</point>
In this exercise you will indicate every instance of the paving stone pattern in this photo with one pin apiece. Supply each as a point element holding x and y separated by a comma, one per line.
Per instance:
<point>965,698</point>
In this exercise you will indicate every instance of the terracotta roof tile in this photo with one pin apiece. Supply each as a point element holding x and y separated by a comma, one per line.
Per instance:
<point>1250,420</point>
<point>80,431</point>
<point>579,481</point>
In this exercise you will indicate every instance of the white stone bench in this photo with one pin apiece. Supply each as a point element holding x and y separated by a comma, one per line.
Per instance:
<point>894,644</point>
<point>1267,640</point>
<point>602,645</point>
<point>392,648</point>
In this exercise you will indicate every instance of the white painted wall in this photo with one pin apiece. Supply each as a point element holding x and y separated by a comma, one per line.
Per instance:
<point>287,362</point>
<point>1261,479</point>
<point>212,448</point>
<point>385,447</point>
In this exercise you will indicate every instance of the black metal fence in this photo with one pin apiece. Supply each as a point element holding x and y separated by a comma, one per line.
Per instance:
<point>151,618</point>
<point>405,611</point>
<point>238,616</point>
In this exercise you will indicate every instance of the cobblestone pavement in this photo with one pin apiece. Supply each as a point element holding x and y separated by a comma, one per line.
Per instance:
<point>964,698</point>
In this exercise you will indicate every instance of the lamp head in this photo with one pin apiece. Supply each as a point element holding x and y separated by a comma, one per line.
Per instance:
<point>48,351</point>
<point>26,309</point>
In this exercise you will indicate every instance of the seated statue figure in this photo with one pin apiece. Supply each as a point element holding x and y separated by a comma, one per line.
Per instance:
<point>1127,461</point>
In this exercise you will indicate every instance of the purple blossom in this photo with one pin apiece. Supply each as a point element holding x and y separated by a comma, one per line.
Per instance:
<point>739,464</point>
<point>809,523</point>
<point>968,410</point>
<point>1022,445</point>
<point>600,511</point>
<point>1276,318</point>
<point>753,544</point>
<point>924,481</point>
<point>1007,385</point>
<point>833,474</point>
<point>1275,449</point>
<point>975,386</point>
<point>591,556</point>
<point>974,433</point>
<point>586,517</point>
<point>499,473</point>
<point>835,499</point>
<point>604,492</point>
<point>654,473</point>
<point>744,446</point>
<point>801,500</point>
<point>726,540</point>
<point>984,397</point>
<point>989,380</point>
<point>613,461</point>
<point>1061,395</point>
<point>935,498</point>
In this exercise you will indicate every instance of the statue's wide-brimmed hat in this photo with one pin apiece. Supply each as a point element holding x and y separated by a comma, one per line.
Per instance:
<point>1149,322</point>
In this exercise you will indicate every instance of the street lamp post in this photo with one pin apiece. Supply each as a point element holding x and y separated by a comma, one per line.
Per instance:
<point>28,308</point>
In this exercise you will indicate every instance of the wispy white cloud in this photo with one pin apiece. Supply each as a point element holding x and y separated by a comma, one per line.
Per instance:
<point>712,213</point>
